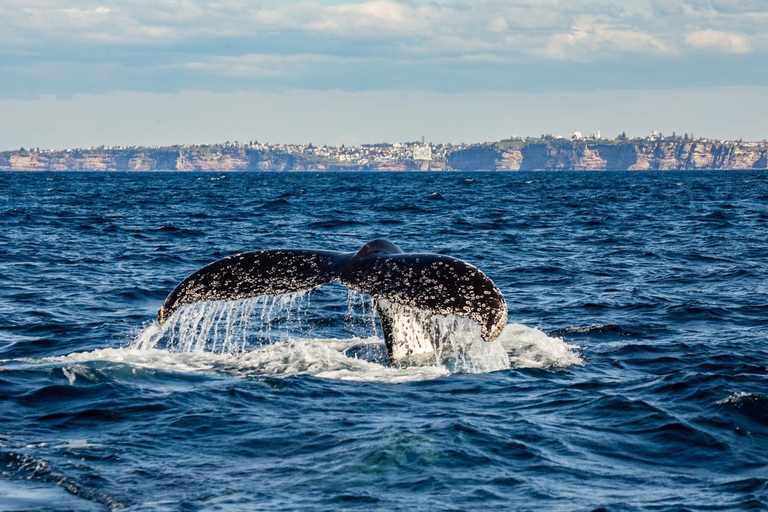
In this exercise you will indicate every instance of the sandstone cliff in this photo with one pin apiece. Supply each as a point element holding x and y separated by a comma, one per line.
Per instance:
<point>200,158</point>
<point>609,155</point>
<point>560,154</point>
<point>147,159</point>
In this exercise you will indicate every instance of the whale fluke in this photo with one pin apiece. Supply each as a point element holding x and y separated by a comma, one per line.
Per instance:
<point>440,284</point>
<point>250,274</point>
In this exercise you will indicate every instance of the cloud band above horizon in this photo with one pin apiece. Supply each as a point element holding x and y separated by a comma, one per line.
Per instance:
<point>96,47</point>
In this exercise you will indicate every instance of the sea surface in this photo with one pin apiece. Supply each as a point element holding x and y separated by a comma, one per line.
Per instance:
<point>633,374</point>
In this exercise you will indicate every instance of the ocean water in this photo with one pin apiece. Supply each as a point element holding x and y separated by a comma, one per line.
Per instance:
<point>633,374</point>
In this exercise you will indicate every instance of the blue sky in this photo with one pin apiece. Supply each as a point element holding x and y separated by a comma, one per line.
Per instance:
<point>167,71</point>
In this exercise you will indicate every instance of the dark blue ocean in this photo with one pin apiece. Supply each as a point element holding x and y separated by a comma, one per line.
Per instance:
<point>633,374</point>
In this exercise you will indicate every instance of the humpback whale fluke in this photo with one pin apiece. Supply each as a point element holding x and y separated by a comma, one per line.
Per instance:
<point>440,284</point>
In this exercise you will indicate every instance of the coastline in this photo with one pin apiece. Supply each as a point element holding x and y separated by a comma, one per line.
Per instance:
<point>511,155</point>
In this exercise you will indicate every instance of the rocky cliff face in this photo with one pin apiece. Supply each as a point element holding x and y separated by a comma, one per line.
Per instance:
<point>546,155</point>
<point>478,157</point>
<point>186,159</point>
<point>148,159</point>
<point>629,155</point>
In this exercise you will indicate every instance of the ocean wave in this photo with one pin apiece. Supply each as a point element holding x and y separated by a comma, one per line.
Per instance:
<point>31,483</point>
<point>751,405</point>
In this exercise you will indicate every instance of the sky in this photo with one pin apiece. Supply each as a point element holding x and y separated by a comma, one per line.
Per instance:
<point>154,72</point>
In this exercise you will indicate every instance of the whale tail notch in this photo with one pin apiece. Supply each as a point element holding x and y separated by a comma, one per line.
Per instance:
<point>441,284</point>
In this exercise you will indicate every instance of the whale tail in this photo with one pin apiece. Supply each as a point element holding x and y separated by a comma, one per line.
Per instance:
<point>250,274</point>
<point>437,283</point>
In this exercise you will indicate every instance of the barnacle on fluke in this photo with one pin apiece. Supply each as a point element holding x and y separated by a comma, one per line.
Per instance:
<point>439,284</point>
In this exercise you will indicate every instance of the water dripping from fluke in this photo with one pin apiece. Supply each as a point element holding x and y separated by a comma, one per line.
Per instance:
<point>229,327</point>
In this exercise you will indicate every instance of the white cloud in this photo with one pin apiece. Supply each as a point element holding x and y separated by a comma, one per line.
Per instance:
<point>592,37</point>
<point>262,64</point>
<point>553,28</point>
<point>728,42</point>
<point>296,43</point>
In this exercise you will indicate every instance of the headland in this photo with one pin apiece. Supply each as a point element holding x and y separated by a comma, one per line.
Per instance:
<point>514,154</point>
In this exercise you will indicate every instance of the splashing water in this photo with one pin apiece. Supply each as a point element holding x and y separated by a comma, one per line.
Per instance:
<point>361,314</point>
<point>422,337</point>
<point>228,326</point>
<point>266,336</point>
<point>532,348</point>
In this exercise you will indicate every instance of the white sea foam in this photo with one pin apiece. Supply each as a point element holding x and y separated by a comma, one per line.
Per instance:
<point>531,348</point>
<point>320,358</point>
<point>258,337</point>
<point>520,346</point>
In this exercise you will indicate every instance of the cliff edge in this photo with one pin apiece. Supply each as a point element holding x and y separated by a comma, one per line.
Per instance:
<point>511,155</point>
<point>612,155</point>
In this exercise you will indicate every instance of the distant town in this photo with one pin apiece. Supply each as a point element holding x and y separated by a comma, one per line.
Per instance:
<point>360,155</point>
<point>576,151</point>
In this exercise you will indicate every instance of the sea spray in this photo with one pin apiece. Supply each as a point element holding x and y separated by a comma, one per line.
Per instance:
<point>423,337</point>
<point>268,335</point>
<point>517,347</point>
<point>361,318</point>
<point>531,348</point>
<point>229,326</point>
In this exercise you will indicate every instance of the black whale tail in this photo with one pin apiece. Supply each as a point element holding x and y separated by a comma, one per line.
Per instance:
<point>250,274</point>
<point>437,283</point>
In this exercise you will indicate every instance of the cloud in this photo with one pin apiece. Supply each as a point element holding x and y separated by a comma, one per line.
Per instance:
<point>93,46</point>
<point>591,38</point>
<point>261,65</point>
<point>730,6</point>
<point>727,42</point>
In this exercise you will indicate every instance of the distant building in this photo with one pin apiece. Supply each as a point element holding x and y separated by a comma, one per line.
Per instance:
<point>423,152</point>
